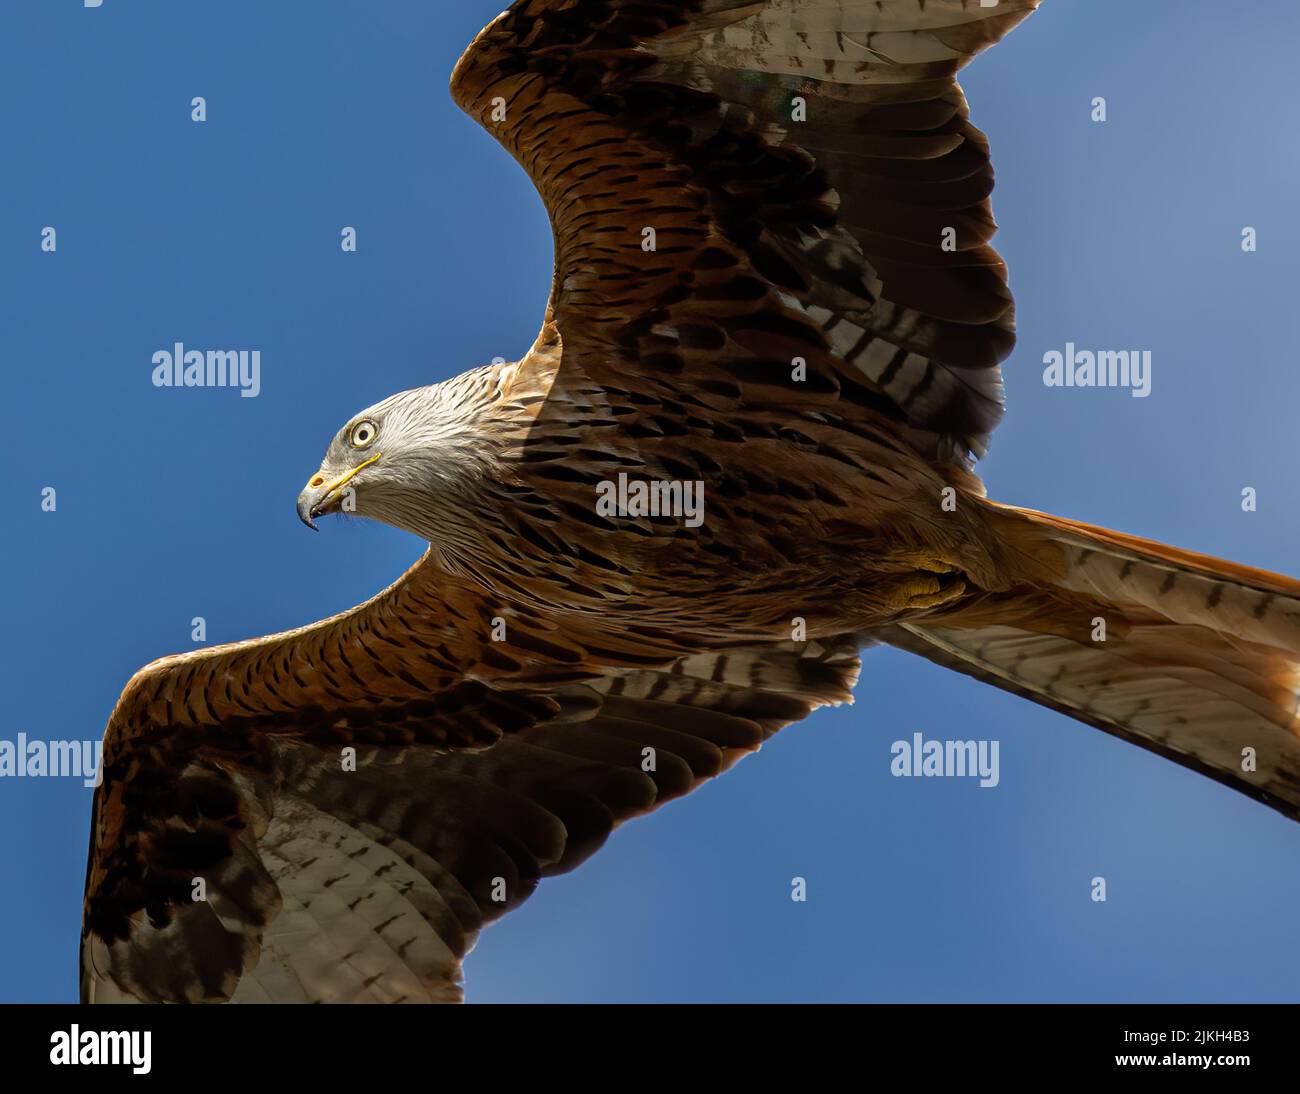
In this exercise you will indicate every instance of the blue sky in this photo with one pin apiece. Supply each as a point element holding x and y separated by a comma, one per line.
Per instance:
<point>175,504</point>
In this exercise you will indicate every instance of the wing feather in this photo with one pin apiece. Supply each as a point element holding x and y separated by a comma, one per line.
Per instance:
<point>814,186</point>
<point>333,814</point>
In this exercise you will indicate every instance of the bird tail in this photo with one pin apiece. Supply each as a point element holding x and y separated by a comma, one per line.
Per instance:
<point>1184,654</point>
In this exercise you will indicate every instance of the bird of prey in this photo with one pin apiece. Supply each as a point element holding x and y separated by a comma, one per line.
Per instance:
<point>774,293</point>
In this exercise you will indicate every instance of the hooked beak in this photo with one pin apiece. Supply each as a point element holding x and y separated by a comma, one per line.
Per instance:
<point>318,494</point>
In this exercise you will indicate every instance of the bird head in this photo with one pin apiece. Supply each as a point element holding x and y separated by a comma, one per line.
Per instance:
<point>351,452</point>
<point>411,461</point>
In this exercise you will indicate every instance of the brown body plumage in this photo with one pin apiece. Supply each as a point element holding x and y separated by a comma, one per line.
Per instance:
<point>795,338</point>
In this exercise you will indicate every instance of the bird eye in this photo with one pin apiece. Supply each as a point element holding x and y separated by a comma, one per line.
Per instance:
<point>362,434</point>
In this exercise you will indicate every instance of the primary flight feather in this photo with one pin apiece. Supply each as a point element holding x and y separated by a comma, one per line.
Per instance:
<point>773,286</point>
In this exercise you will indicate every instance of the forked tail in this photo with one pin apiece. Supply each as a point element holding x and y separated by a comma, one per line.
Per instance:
<point>1184,654</point>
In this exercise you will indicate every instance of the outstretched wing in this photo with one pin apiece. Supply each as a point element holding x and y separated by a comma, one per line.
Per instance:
<point>331,814</point>
<point>737,184</point>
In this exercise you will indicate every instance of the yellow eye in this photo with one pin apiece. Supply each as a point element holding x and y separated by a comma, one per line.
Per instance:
<point>362,434</point>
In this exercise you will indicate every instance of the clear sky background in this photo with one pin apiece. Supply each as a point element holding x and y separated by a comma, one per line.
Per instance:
<point>175,504</point>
